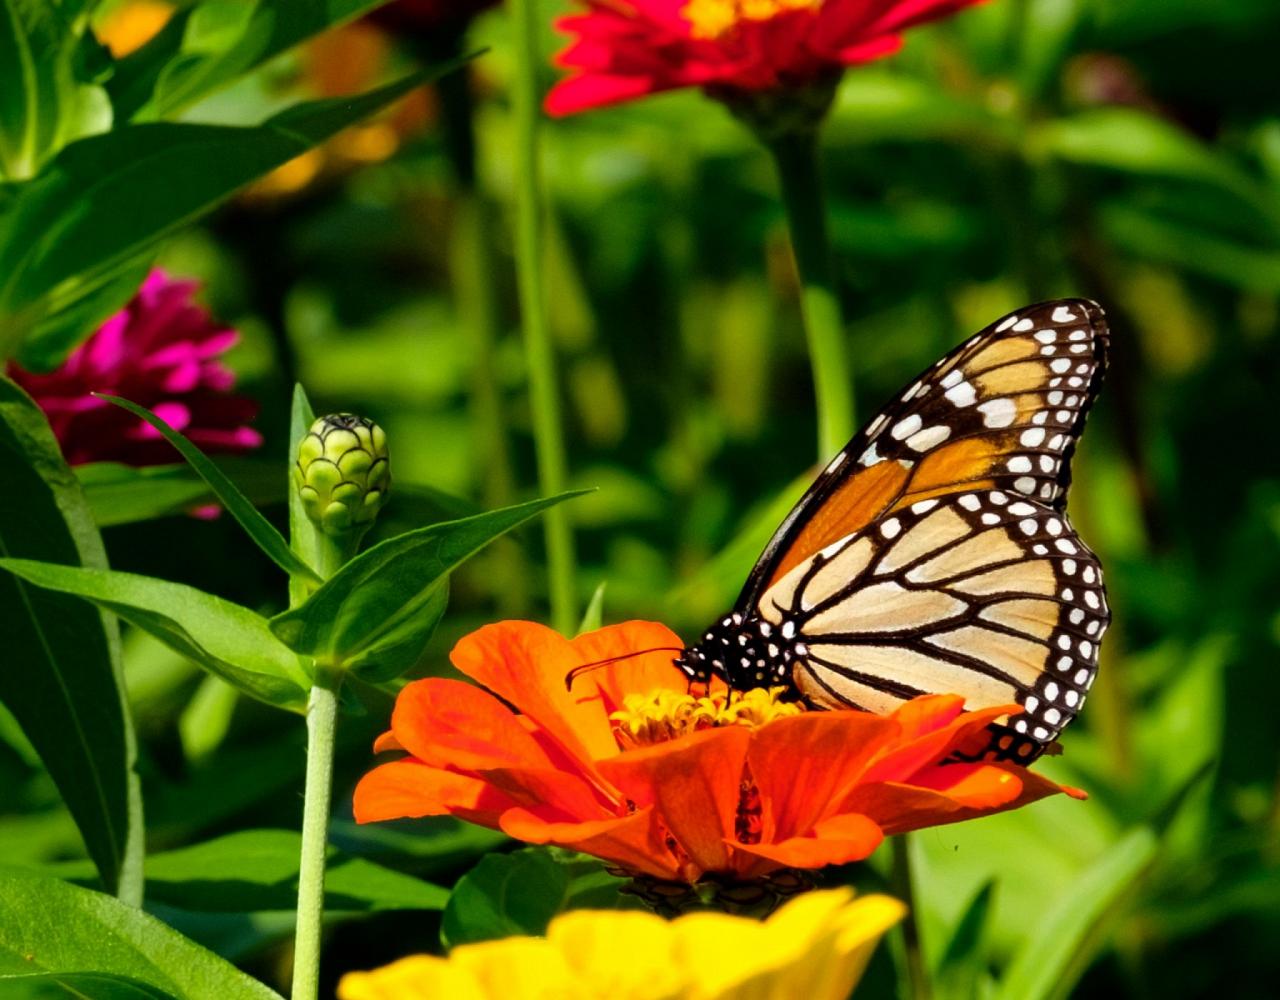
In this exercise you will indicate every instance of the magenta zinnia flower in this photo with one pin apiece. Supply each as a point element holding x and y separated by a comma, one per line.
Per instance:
<point>624,49</point>
<point>160,351</point>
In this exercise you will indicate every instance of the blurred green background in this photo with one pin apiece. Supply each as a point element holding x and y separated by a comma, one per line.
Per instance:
<point>1125,150</point>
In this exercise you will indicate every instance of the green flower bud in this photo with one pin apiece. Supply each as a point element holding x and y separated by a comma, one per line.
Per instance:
<point>342,473</point>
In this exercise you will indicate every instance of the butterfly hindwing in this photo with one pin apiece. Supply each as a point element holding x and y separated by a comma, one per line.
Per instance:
<point>1002,411</point>
<point>985,593</point>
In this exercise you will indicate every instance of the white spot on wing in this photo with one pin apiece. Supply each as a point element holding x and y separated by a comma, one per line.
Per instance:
<point>929,437</point>
<point>906,426</point>
<point>998,412</point>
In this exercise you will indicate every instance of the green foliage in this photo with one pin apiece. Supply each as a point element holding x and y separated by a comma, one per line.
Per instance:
<point>105,201</point>
<point>519,893</point>
<point>229,641</point>
<point>257,527</point>
<point>1125,151</point>
<point>43,102</point>
<point>251,871</point>
<point>52,932</point>
<point>374,616</point>
<point>61,678</point>
<point>1059,950</point>
<point>208,45</point>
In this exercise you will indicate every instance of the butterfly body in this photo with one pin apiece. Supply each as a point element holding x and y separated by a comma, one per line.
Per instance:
<point>934,554</point>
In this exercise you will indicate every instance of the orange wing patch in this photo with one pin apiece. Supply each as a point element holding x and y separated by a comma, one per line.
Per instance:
<point>1003,411</point>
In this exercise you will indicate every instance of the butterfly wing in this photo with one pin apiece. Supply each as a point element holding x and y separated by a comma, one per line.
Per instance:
<point>1002,411</point>
<point>984,593</point>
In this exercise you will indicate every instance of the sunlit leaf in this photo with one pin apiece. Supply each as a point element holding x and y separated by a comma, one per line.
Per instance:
<point>1061,945</point>
<point>376,613</point>
<point>55,933</point>
<point>257,527</point>
<point>61,673</point>
<point>229,641</point>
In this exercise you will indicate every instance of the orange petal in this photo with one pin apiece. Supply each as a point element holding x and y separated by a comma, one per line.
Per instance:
<point>635,842</point>
<point>525,664</point>
<point>806,764</point>
<point>449,723</point>
<point>835,841</point>
<point>635,674</point>
<point>694,784</point>
<point>406,788</point>
<point>554,794</point>
<point>927,713</point>
<point>922,745</point>
<point>387,741</point>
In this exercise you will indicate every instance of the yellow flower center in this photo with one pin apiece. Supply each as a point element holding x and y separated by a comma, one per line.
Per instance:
<point>713,18</point>
<point>646,719</point>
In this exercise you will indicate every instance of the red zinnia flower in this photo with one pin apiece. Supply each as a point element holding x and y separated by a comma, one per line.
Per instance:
<point>160,351</point>
<point>625,49</point>
<point>630,768</point>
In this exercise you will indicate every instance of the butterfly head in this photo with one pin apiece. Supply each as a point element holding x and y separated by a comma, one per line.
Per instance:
<point>744,651</point>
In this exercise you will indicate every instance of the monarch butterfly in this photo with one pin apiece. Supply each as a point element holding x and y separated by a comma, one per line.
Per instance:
<point>933,554</point>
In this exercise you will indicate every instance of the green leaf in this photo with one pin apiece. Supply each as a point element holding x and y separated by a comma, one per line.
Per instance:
<point>42,104</point>
<point>257,527</point>
<point>61,674</point>
<point>304,536</point>
<point>964,958</point>
<point>504,895</point>
<point>1139,143</point>
<point>214,45</point>
<point>206,719</point>
<point>1064,942</point>
<point>252,871</point>
<point>53,932</point>
<point>376,613</point>
<point>123,494</point>
<point>105,201</point>
<point>226,639</point>
<point>1166,241</point>
<point>520,892</point>
<point>593,617</point>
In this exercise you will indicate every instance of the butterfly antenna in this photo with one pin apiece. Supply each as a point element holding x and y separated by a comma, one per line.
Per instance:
<point>583,668</point>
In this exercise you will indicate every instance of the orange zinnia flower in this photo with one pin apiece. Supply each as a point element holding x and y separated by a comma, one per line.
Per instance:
<point>632,769</point>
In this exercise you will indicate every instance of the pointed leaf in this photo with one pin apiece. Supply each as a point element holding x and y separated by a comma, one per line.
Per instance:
<point>504,895</point>
<point>1061,946</point>
<point>226,639</point>
<point>53,932</point>
<point>257,527</point>
<point>252,871</point>
<point>60,671</point>
<point>179,66</point>
<point>965,956</point>
<point>106,200</point>
<point>376,613</point>
<point>304,536</point>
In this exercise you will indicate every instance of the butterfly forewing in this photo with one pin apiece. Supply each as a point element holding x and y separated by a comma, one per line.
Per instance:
<point>1003,411</point>
<point>984,593</point>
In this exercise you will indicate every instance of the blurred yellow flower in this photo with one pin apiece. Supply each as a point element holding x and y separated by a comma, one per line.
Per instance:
<point>816,947</point>
<point>130,26</point>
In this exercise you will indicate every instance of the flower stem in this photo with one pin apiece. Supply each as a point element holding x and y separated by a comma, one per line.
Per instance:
<point>796,156</point>
<point>904,889</point>
<point>539,352</point>
<point>322,717</point>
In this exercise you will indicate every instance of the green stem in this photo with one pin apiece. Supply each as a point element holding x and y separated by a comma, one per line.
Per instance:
<point>796,157</point>
<point>904,889</point>
<point>473,263</point>
<point>322,717</point>
<point>539,352</point>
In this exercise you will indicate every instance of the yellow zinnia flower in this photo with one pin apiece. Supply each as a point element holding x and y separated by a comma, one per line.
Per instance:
<point>816,947</point>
